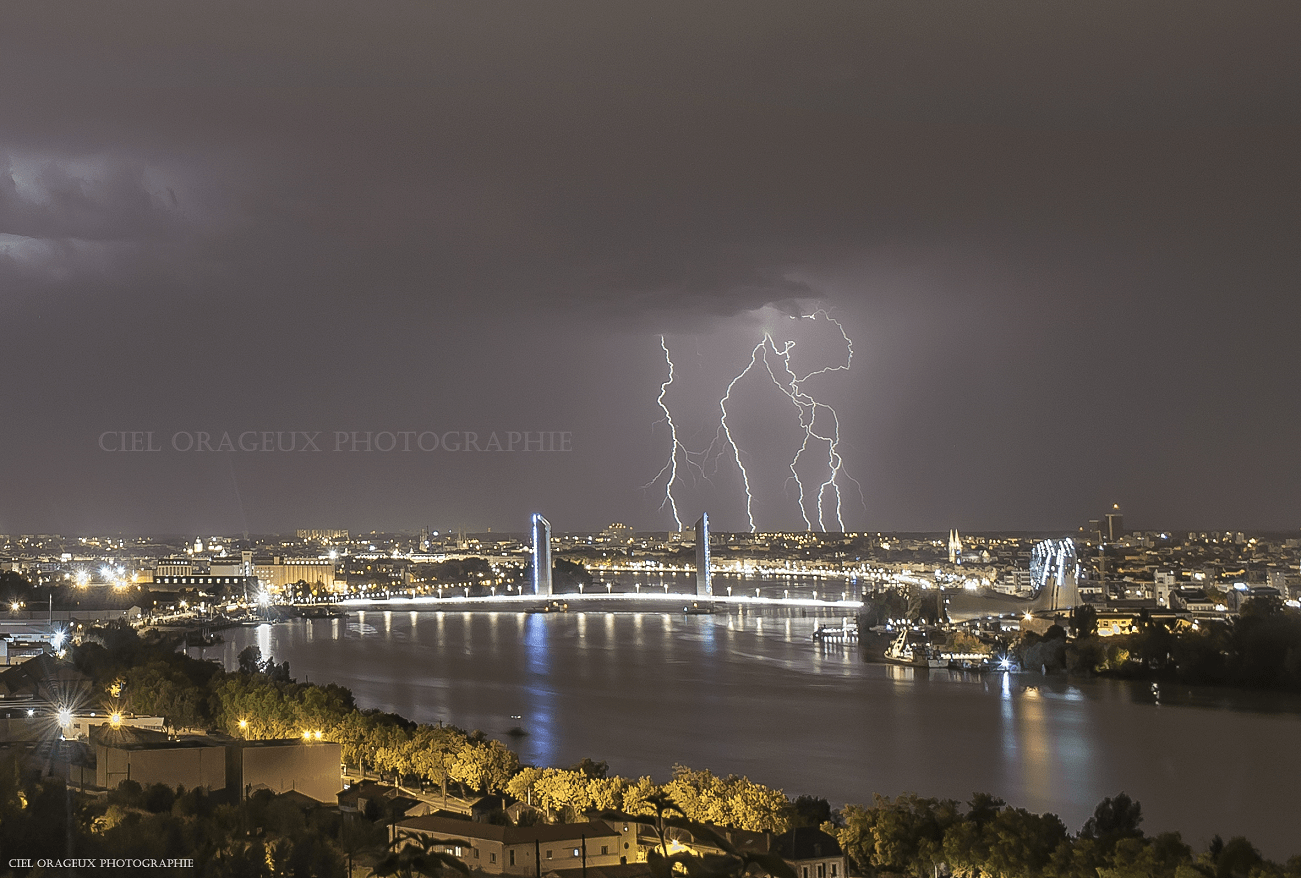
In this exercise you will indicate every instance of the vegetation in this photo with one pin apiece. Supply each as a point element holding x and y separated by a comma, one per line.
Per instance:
<point>912,836</point>
<point>1260,649</point>
<point>264,836</point>
<point>268,835</point>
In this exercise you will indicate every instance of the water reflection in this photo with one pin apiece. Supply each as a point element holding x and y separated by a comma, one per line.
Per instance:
<point>646,690</point>
<point>539,695</point>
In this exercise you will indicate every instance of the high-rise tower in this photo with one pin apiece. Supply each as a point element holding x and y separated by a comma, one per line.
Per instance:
<point>704,584</point>
<point>541,555</point>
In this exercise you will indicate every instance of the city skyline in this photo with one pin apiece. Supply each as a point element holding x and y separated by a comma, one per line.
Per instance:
<point>1059,246</point>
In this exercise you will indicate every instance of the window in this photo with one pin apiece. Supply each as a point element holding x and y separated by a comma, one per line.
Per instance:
<point>492,858</point>
<point>822,870</point>
<point>605,849</point>
<point>804,872</point>
<point>512,858</point>
<point>833,870</point>
<point>476,853</point>
<point>575,851</point>
<point>548,855</point>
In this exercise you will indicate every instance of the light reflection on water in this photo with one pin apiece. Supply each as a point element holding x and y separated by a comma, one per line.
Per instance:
<point>752,694</point>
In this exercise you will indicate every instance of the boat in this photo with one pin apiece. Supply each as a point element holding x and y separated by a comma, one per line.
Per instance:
<point>901,651</point>
<point>845,633</point>
<point>552,607</point>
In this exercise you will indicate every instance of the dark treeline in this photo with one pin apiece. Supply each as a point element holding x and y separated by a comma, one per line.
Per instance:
<point>1258,649</point>
<point>912,836</point>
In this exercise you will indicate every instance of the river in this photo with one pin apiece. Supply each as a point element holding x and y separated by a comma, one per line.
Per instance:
<point>752,694</point>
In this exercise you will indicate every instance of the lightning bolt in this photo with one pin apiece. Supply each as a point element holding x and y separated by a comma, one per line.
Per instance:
<point>808,409</point>
<point>726,431</point>
<point>812,414</point>
<point>676,447</point>
<point>672,466</point>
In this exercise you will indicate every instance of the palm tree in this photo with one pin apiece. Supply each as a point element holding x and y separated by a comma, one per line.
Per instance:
<point>420,856</point>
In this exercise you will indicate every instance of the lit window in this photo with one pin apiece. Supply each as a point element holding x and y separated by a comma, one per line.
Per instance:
<point>548,855</point>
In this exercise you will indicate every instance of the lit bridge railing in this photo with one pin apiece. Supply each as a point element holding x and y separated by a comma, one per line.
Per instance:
<point>645,598</point>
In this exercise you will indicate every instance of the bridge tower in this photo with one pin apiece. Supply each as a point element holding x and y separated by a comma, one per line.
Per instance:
<point>704,582</point>
<point>541,556</point>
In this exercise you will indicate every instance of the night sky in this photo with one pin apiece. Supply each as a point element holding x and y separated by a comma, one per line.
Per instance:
<point>1064,240</point>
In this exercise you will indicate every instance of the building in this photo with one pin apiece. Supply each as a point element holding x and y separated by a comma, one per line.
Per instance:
<point>811,852</point>
<point>178,567</point>
<point>323,536</point>
<point>704,577</point>
<point>542,556</point>
<point>278,573</point>
<point>1115,524</point>
<point>518,850</point>
<point>618,534</point>
<point>381,799</point>
<point>1165,583</point>
<point>307,767</point>
<point>230,565</point>
<point>150,758</point>
<point>1016,581</point>
<point>310,768</point>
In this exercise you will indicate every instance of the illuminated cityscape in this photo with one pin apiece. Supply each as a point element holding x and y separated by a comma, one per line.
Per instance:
<point>667,440</point>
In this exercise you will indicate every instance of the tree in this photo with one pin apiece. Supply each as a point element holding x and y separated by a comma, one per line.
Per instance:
<point>1084,621</point>
<point>484,766</point>
<point>250,660</point>
<point>1116,817</point>
<point>408,857</point>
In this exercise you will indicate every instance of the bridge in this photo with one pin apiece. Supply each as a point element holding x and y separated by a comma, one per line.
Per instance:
<point>651,600</point>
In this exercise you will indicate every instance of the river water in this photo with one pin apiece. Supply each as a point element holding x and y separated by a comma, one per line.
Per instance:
<point>752,694</point>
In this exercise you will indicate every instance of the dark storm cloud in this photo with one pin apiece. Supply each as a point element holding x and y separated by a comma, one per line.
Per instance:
<point>333,210</point>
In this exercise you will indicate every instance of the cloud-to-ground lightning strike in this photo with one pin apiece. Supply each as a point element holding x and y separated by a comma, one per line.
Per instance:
<point>671,467</point>
<point>726,430</point>
<point>810,411</point>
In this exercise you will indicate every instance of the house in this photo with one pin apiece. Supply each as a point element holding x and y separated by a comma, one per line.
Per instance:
<point>518,850</point>
<point>626,870</point>
<point>379,798</point>
<point>811,852</point>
